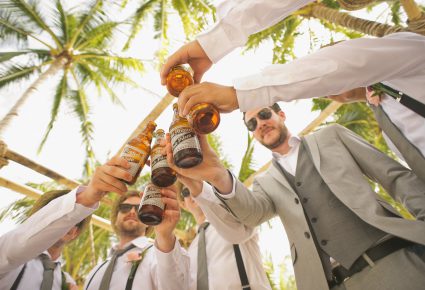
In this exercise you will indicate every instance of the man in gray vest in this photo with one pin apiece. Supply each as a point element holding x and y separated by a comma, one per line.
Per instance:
<point>342,235</point>
<point>403,128</point>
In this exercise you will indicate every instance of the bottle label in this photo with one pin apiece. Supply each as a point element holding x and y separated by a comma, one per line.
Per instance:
<point>158,161</point>
<point>135,156</point>
<point>152,196</point>
<point>183,138</point>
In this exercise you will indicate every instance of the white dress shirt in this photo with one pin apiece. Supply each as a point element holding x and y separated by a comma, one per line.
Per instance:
<point>223,232</point>
<point>31,238</point>
<point>157,270</point>
<point>396,60</point>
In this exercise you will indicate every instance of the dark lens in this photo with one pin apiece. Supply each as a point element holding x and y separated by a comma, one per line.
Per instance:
<point>251,124</point>
<point>125,207</point>
<point>265,114</point>
<point>185,192</point>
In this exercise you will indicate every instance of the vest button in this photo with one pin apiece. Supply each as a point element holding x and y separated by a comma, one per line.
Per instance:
<point>313,220</point>
<point>307,235</point>
<point>298,183</point>
<point>297,201</point>
<point>323,242</point>
<point>305,200</point>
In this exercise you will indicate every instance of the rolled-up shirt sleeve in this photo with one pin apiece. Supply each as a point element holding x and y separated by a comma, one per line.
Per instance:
<point>239,19</point>
<point>41,230</point>
<point>336,69</point>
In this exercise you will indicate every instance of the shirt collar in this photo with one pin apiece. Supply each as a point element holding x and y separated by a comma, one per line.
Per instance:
<point>293,142</point>
<point>140,242</point>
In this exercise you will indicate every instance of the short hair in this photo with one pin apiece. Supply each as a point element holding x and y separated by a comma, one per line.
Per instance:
<point>275,107</point>
<point>115,209</point>
<point>51,195</point>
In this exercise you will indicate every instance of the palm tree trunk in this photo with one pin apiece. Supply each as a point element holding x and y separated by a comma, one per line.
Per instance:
<point>413,11</point>
<point>358,24</point>
<point>14,112</point>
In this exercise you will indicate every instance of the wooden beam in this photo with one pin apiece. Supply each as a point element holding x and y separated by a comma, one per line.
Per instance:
<point>34,194</point>
<point>329,110</point>
<point>18,158</point>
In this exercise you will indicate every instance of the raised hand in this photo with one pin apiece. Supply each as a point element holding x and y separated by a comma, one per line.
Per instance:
<point>210,169</point>
<point>106,178</point>
<point>222,97</point>
<point>165,238</point>
<point>191,53</point>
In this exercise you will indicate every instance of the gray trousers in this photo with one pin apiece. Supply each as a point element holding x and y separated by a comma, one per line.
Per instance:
<point>401,270</point>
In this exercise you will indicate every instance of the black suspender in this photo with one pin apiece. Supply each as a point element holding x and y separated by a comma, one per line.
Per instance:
<point>19,278</point>
<point>241,268</point>
<point>133,270</point>
<point>402,98</point>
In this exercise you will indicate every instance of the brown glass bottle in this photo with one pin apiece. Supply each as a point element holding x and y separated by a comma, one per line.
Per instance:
<point>151,207</point>
<point>186,147</point>
<point>162,175</point>
<point>203,117</point>
<point>137,151</point>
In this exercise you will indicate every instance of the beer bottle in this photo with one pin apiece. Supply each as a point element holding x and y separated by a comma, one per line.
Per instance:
<point>151,208</point>
<point>162,175</point>
<point>137,151</point>
<point>203,117</point>
<point>185,144</point>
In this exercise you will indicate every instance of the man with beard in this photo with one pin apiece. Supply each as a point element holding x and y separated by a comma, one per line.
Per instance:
<point>342,235</point>
<point>135,262</point>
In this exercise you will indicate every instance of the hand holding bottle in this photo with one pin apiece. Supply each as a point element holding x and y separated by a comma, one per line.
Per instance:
<point>106,178</point>
<point>221,97</point>
<point>191,53</point>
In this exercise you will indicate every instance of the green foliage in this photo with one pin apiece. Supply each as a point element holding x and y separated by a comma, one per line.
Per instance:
<point>82,36</point>
<point>286,281</point>
<point>246,169</point>
<point>215,142</point>
<point>395,12</point>
<point>282,34</point>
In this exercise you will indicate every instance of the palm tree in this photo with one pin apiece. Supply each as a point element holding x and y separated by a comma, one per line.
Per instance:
<point>73,44</point>
<point>193,14</point>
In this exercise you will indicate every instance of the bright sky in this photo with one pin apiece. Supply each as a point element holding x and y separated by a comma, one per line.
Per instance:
<point>64,152</point>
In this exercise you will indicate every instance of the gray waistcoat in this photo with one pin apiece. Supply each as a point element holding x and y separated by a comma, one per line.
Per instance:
<point>338,232</point>
<point>411,154</point>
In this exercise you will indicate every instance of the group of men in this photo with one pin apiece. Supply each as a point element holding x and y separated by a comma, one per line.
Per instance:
<point>342,235</point>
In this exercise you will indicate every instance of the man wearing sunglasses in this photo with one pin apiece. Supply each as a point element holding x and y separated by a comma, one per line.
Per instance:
<point>341,233</point>
<point>136,262</point>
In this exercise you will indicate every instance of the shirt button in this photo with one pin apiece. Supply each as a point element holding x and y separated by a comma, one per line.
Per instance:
<point>323,242</point>
<point>305,200</point>
<point>313,220</point>
<point>297,201</point>
<point>298,183</point>
<point>307,235</point>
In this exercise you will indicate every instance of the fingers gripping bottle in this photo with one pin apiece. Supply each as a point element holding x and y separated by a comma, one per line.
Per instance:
<point>137,151</point>
<point>162,175</point>
<point>185,144</point>
<point>202,117</point>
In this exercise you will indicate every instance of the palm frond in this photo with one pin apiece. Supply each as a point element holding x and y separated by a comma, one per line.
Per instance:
<point>215,143</point>
<point>137,19</point>
<point>78,100</point>
<point>97,37</point>
<point>29,12</point>
<point>61,92</point>
<point>95,7</point>
<point>246,169</point>
<point>60,21</point>
<point>13,73</point>
<point>161,20</point>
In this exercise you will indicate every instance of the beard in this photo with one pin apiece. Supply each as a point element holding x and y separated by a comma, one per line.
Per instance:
<point>283,133</point>
<point>131,229</point>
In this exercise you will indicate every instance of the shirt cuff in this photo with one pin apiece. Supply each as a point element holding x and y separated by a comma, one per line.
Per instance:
<point>216,43</point>
<point>230,194</point>
<point>252,99</point>
<point>170,259</point>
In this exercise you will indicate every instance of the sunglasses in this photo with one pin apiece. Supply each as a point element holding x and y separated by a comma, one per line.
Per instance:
<point>264,114</point>
<point>126,207</point>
